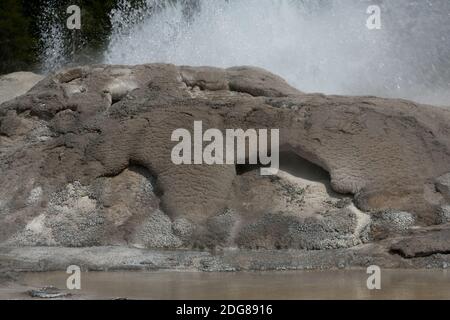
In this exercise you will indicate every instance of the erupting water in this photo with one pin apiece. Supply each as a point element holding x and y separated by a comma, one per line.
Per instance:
<point>316,45</point>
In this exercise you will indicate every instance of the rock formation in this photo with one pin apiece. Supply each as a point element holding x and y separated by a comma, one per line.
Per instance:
<point>16,84</point>
<point>85,161</point>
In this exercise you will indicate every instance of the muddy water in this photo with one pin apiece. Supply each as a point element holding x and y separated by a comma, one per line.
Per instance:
<point>396,284</point>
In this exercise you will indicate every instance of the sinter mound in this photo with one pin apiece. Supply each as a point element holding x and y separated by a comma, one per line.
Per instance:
<point>85,161</point>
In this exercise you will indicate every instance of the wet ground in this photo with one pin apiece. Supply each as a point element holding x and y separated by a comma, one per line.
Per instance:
<point>348,284</point>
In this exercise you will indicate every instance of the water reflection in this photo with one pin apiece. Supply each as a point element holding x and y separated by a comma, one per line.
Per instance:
<point>350,284</point>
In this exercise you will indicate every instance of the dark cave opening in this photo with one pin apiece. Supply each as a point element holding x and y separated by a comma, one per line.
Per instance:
<point>297,166</point>
<point>149,174</point>
<point>293,164</point>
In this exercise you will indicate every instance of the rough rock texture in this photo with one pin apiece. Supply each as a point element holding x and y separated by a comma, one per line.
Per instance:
<point>443,215</point>
<point>85,161</point>
<point>120,258</point>
<point>388,222</point>
<point>341,228</point>
<point>424,244</point>
<point>443,185</point>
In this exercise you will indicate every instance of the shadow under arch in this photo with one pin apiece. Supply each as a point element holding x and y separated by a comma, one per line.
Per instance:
<point>292,163</point>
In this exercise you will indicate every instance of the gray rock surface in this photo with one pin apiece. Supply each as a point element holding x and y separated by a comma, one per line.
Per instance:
<point>443,215</point>
<point>341,228</point>
<point>424,244</point>
<point>443,185</point>
<point>390,222</point>
<point>48,293</point>
<point>18,83</point>
<point>29,259</point>
<point>156,232</point>
<point>85,161</point>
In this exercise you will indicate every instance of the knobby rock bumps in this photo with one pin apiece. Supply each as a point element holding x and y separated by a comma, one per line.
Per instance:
<point>85,160</point>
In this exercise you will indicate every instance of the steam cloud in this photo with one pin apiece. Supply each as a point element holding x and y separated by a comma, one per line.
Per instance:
<point>316,45</point>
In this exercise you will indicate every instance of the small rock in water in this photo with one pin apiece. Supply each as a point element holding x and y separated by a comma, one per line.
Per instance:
<point>48,293</point>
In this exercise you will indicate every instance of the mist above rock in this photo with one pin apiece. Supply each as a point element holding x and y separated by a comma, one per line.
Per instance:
<point>317,46</point>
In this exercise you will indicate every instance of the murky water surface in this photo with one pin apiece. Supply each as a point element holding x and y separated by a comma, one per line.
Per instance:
<point>396,284</point>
